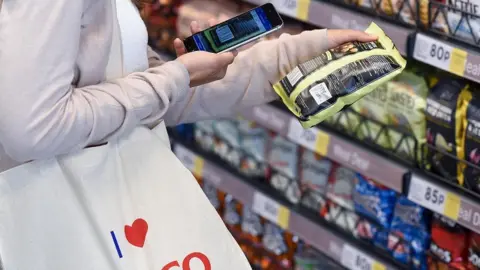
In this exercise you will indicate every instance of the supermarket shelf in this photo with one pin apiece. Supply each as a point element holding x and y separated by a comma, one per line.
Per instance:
<point>347,153</point>
<point>450,57</point>
<point>327,15</point>
<point>322,238</point>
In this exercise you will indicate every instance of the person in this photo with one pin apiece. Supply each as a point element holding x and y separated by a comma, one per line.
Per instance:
<point>54,99</point>
<point>60,91</point>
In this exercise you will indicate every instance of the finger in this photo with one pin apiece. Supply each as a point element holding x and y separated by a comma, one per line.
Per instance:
<point>212,22</point>
<point>235,53</point>
<point>179,47</point>
<point>195,27</point>
<point>362,36</point>
<point>226,58</point>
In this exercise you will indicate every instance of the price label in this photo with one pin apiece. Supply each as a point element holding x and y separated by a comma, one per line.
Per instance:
<point>312,138</point>
<point>190,160</point>
<point>271,210</point>
<point>434,197</point>
<point>354,259</point>
<point>293,8</point>
<point>440,54</point>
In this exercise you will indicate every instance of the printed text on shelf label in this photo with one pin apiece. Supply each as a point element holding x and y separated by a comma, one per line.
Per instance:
<point>313,138</point>
<point>271,210</point>
<point>434,197</point>
<point>354,259</point>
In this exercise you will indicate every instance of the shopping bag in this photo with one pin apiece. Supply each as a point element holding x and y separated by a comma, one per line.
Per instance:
<point>127,205</point>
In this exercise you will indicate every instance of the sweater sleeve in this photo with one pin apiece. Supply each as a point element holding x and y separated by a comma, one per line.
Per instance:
<point>249,79</point>
<point>42,114</point>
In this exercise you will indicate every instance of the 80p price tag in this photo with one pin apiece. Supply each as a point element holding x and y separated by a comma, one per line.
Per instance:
<point>354,259</point>
<point>271,210</point>
<point>440,54</point>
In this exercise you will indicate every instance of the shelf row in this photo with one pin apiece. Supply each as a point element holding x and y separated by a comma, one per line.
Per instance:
<point>420,187</point>
<point>339,248</point>
<point>461,60</point>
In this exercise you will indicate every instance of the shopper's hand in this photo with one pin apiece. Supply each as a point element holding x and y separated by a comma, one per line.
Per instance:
<point>341,36</point>
<point>203,67</point>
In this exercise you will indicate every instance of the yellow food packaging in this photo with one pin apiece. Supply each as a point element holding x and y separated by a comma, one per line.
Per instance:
<point>321,87</point>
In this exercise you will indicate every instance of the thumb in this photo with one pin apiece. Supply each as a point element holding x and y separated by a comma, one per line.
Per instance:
<point>226,58</point>
<point>361,36</point>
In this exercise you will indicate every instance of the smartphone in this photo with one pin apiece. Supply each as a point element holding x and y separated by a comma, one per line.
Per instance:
<point>236,31</point>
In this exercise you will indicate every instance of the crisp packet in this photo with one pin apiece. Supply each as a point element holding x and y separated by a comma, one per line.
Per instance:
<point>317,89</point>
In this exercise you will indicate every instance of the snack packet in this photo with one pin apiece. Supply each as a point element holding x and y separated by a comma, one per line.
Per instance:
<point>319,88</point>
<point>471,143</point>
<point>406,103</point>
<point>444,113</point>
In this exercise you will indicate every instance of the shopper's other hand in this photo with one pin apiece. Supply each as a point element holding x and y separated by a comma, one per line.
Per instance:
<point>203,67</point>
<point>338,37</point>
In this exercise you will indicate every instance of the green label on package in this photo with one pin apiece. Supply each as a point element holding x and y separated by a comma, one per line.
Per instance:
<point>321,87</point>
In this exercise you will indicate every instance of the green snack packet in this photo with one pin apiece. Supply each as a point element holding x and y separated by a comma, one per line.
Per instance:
<point>374,109</point>
<point>321,87</point>
<point>406,104</point>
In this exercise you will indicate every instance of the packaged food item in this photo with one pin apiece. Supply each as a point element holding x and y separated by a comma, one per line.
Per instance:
<point>232,214</point>
<point>319,88</point>
<point>367,230</point>
<point>373,109</point>
<point>314,174</point>
<point>308,258</point>
<point>449,242</point>
<point>471,142</point>
<point>341,217</point>
<point>281,244</point>
<point>254,143</point>
<point>346,120</point>
<point>409,216</point>
<point>374,201</point>
<point>204,135</point>
<point>409,246</point>
<point>283,158</point>
<point>406,103</point>
<point>444,113</point>
<point>407,10</point>
<point>341,186</point>
<point>460,19</point>
<point>252,231</point>
<point>474,251</point>
<point>227,141</point>
<point>213,195</point>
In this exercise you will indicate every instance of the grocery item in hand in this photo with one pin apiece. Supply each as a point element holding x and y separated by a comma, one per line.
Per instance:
<point>444,113</point>
<point>321,87</point>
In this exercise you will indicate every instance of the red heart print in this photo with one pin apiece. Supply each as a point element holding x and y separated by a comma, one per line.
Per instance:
<point>137,233</point>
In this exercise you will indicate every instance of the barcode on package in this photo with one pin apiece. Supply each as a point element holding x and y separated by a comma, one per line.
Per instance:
<point>320,93</point>
<point>294,76</point>
<point>224,33</point>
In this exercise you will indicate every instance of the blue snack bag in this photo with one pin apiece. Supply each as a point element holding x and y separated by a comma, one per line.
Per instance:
<point>409,215</point>
<point>374,201</point>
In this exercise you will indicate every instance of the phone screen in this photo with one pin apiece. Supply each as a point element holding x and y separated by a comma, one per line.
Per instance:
<point>233,32</point>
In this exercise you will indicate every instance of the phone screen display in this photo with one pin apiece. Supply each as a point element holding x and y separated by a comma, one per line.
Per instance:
<point>233,32</point>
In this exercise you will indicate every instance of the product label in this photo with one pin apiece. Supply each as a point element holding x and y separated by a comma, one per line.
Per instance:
<point>440,113</point>
<point>303,70</point>
<point>344,81</point>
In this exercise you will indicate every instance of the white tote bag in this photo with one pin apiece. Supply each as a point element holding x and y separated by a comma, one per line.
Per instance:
<point>129,204</point>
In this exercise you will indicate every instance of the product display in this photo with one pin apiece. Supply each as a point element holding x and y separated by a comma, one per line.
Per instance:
<point>370,111</point>
<point>321,87</point>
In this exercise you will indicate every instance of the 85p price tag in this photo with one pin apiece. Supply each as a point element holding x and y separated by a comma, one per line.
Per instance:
<point>271,210</point>
<point>434,197</point>
<point>440,54</point>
